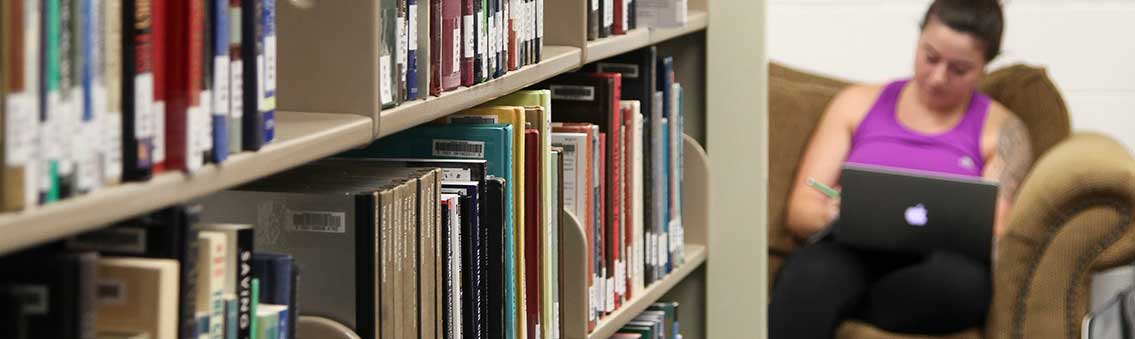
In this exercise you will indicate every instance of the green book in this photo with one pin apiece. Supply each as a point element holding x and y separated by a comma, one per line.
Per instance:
<point>255,304</point>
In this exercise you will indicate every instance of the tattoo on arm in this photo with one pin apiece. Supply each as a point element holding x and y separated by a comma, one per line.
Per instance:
<point>1015,151</point>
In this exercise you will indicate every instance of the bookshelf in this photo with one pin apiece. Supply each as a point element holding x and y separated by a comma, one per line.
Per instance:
<point>301,138</point>
<point>328,104</point>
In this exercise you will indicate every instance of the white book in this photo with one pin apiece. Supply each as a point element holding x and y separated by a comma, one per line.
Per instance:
<point>110,121</point>
<point>662,13</point>
<point>636,170</point>
<point>212,269</point>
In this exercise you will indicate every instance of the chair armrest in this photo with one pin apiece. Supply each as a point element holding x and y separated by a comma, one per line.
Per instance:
<point>1073,216</point>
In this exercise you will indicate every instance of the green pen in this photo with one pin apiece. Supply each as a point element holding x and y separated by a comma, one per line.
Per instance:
<point>828,191</point>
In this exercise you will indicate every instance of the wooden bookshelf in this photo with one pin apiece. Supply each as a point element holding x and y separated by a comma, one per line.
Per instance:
<point>301,138</point>
<point>556,60</point>
<point>695,257</point>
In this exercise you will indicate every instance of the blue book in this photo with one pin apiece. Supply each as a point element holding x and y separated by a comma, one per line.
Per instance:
<point>490,142</point>
<point>268,21</point>
<point>284,327</point>
<point>667,152</point>
<point>219,9</point>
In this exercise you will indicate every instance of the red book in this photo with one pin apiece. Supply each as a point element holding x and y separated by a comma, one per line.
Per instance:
<point>468,42</point>
<point>604,227</point>
<point>158,43</point>
<point>184,24</point>
<point>619,27</point>
<point>532,198</point>
<point>587,218</point>
<point>435,46</point>
<point>452,44</point>
<point>513,56</point>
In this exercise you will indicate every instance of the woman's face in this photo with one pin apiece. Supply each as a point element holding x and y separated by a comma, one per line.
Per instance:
<point>948,65</point>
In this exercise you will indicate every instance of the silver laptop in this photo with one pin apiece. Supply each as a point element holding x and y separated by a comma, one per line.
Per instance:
<point>919,212</point>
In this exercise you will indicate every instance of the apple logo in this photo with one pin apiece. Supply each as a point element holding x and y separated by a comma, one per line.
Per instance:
<point>916,215</point>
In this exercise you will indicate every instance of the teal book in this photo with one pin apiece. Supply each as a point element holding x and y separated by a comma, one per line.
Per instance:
<point>490,142</point>
<point>255,290</point>
<point>231,309</point>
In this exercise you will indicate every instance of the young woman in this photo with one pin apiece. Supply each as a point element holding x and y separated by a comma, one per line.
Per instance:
<point>935,121</point>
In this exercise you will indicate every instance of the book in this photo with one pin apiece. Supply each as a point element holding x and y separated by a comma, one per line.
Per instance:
<point>580,141</point>
<point>533,219</point>
<point>268,69</point>
<point>14,94</point>
<point>512,25</point>
<point>619,23</point>
<point>269,320</point>
<point>540,120</point>
<point>239,242</point>
<point>71,99</point>
<point>665,84</point>
<point>428,230</point>
<point>662,13</point>
<point>254,120</point>
<point>400,48</point>
<point>180,90</point>
<point>111,124</point>
<point>555,326</point>
<point>451,247</point>
<point>593,19</point>
<point>607,242</point>
<point>480,48</point>
<point>675,198</point>
<point>255,319</point>
<point>159,35</point>
<point>236,78</point>
<point>166,234</point>
<point>469,41</point>
<point>219,112</point>
<point>212,265</point>
<point>452,44</point>
<point>499,319</point>
<point>411,50</point>
<point>670,309</point>
<point>87,148</point>
<point>607,17</point>
<point>638,199</point>
<point>138,295</point>
<point>435,22</point>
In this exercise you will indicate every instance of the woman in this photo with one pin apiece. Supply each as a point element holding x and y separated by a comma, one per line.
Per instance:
<point>936,121</point>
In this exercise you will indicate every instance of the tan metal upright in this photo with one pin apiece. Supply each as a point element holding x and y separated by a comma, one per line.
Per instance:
<point>737,139</point>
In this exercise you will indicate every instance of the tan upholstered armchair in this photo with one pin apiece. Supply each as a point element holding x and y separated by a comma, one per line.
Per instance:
<point>1073,215</point>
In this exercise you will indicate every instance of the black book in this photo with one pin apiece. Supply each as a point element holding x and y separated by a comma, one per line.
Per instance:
<point>252,52</point>
<point>11,313</point>
<point>137,65</point>
<point>166,234</point>
<point>632,15</point>
<point>54,294</point>
<point>604,11</point>
<point>493,218</point>
<point>451,248</point>
<point>480,61</point>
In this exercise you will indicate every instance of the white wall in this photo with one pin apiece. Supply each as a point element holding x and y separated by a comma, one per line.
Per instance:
<point>1086,45</point>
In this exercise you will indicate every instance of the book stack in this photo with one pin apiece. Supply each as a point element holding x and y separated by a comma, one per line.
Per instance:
<point>659,321</point>
<point>96,92</point>
<point>431,48</point>
<point>607,18</point>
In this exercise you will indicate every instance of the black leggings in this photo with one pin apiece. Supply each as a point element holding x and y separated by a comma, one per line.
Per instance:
<point>823,284</point>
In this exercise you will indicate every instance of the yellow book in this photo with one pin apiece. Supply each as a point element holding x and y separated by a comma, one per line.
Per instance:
<point>516,117</point>
<point>137,295</point>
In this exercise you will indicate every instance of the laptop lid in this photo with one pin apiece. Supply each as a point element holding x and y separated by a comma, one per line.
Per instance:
<point>911,211</point>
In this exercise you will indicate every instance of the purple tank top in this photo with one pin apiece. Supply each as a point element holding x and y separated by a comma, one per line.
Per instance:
<point>881,140</point>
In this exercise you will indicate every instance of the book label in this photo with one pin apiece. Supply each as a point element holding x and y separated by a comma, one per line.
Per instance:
<point>157,130</point>
<point>459,148</point>
<point>400,30</point>
<point>573,93</point>
<point>18,129</point>
<point>591,303</point>
<point>456,50</point>
<point>620,277</point>
<point>608,13</point>
<point>236,103</point>
<point>456,174</point>
<point>595,5</point>
<point>384,89</point>
<point>221,86</point>
<point>468,35</point>
<point>610,295</point>
<point>628,71</point>
<point>317,221</point>
<point>33,299</point>
<point>472,119</point>
<point>112,143</point>
<point>269,70</point>
<point>413,19</point>
<point>110,292</point>
<point>539,18</point>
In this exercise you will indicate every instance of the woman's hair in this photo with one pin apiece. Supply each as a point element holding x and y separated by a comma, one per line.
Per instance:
<point>980,18</point>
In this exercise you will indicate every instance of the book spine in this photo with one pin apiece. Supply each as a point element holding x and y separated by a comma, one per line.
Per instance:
<point>159,39</point>
<point>203,113</point>
<point>401,51</point>
<point>490,41</point>
<point>219,117</point>
<point>87,150</point>
<point>628,196</point>
<point>469,46</point>
<point>188,257</point>
<point>631,14</point>
<point>593,19</point>
<point>412,51</point>
<point>252,57</point>
<point>217,257</point>
<point>607,305</point>
<point>235,114</point>
<point>267,48</point>
<point>253,319</point>
<point>539,46</point>
<point>435,49</point>
<point>70,109</point>
<point>385,279</point>
<point>110,127</point>
<point>231,318</point>
<point>480,59</point>
<point>245,312</point>
<point>137,88</point>
<point>183,78</point>
<point>619,24</point>
<point>21,93</point>
<point>427,245</point>
<point>511,10</point>
<point>88,298</point>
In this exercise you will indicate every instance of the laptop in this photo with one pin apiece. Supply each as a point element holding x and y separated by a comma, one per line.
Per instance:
<point>919,212</point>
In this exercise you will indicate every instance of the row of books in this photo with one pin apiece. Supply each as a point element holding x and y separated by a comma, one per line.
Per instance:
<point>463,43</point>
<point>160,276</point>
<point>95,92</point>
<point>659,321</point>
<point>617,17</point>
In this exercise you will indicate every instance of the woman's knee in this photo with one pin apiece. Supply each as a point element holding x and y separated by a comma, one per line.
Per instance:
<point>819,266</point>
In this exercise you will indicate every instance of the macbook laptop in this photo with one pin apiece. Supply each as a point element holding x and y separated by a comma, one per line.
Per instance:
<point>904,211</point>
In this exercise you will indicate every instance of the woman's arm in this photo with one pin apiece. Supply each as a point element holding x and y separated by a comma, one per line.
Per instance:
<point>809,211</point>
<point>1008,163</point>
